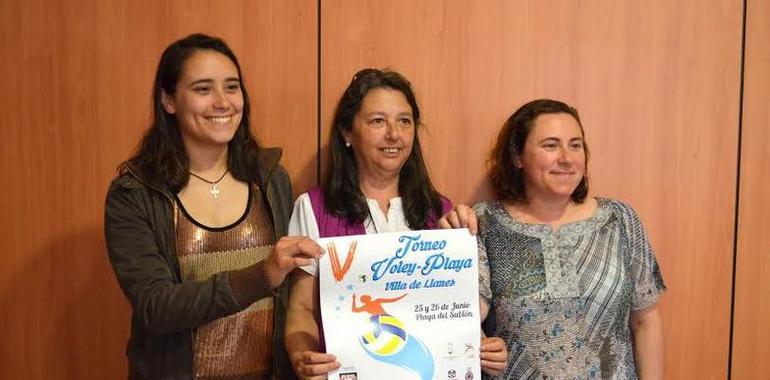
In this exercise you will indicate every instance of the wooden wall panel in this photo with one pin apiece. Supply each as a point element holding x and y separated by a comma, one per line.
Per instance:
<point>657,84</point>
<point>751,325</point>
<point>78,77</point>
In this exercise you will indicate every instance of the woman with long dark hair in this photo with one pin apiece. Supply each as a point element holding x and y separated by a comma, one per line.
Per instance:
<point>195,225</point>
<point>377,182</point>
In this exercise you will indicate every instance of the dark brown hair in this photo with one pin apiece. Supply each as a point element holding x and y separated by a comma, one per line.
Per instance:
<point>341,190</point>
<point>506,177</point>
<point>161,157</point>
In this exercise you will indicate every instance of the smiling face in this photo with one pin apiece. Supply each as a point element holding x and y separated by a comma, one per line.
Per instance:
<point>554,159</point>
<point>208,102</point>
<point>382,134</point>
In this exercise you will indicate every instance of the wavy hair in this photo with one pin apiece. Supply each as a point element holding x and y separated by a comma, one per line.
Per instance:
<point>341,189</point>
<point>161,157</point>
<point>507,179</point>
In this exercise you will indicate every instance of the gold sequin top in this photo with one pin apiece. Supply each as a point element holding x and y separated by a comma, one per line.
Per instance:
<point>238,346</point>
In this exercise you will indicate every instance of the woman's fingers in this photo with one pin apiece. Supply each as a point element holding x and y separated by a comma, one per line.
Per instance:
<point>492,343</point>
<point>467,218</point>
<point>460,216</point>
<point>494,355</point>
<point>301,246</point>
<point>315,363</point>
<point>288,253</point>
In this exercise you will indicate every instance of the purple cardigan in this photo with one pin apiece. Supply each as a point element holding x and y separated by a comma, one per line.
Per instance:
<point>330,225</point>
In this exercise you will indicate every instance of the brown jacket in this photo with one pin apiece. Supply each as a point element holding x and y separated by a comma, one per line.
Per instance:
<point>139,228</point>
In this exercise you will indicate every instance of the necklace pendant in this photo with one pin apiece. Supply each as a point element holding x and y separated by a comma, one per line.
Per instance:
<point>214,191</point>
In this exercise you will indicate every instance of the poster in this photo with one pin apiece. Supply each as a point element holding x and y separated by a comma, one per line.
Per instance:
<point>401,305</point>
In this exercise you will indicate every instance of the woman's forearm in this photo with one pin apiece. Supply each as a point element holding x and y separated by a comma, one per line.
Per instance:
<point>647,327</point>
<point>301,332</point>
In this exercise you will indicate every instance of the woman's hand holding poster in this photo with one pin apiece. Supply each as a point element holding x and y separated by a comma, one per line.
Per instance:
<point>401,305</point>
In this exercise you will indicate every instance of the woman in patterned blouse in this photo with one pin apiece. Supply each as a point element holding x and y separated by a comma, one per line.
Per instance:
<point>571,283</point>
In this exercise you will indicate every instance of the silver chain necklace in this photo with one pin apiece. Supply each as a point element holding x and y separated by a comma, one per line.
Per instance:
<point>214,191</point>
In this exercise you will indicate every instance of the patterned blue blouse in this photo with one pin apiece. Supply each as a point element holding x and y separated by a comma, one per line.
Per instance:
<point>562,300</point>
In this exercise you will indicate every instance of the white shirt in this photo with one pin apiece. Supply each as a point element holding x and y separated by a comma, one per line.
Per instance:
<point>303,222</point>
